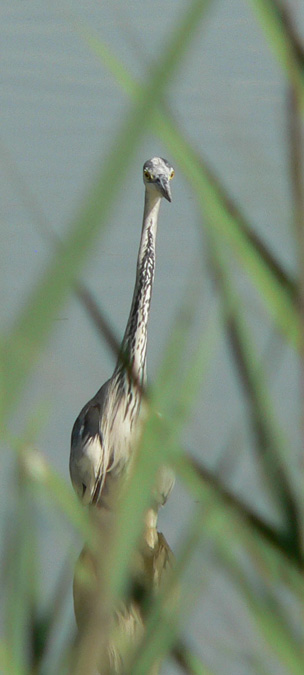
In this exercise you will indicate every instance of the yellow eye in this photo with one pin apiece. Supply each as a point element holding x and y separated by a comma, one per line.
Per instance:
<point>147,174</point>
<point>172,173</point>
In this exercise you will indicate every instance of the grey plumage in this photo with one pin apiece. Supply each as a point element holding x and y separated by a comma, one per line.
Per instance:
<point>125,629</point>
<point>107,428</point>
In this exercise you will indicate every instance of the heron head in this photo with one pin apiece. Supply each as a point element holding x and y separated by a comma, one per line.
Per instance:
<point>157,175</point>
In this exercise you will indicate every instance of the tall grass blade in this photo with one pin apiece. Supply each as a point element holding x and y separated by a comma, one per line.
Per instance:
<point>6,665</point>
<point>155,450</point>
<point>269,619</point>
<point>160,440</point>
<point>170,610</point>
<point>275,285</point>
<point>21,578</point>
<point>270,442</point>
<point>189,662</point>
<point>23,344</point>
<point>276,21</point>
<point>39,474</point>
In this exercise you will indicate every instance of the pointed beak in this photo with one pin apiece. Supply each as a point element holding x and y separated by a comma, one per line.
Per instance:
<point>165,188</point>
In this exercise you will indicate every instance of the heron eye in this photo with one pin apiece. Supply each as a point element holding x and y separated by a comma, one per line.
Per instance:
<point>172,173</point>
<point>147,174</point>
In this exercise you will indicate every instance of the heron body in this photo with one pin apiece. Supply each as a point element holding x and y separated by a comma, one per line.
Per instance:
<point>107,428</point>
<point>150,573</point>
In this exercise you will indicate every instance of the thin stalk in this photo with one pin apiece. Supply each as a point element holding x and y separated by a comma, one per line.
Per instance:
<point>295,142</point>
<point>23,343</point>
<point>295,138</point>
<point>268,436</point>
<point>196,476</point>
<point>188,661</point>
<point>282,37</point>
<point>277,287</point>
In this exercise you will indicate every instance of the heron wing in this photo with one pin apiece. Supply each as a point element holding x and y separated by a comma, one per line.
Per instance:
<point>89,461</point>
<point>92,435</point>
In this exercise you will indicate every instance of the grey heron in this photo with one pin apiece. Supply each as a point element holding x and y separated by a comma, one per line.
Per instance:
<point>106,430</point>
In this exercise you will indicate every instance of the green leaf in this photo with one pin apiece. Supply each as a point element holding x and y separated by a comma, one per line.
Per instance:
<point>193,664</point>
<point>267,612</point>
<point>24,343</point>
<point>161,435</point>
<point>270,442</point>
<point>20,581</point>
<point>277,23</point>
<point>223,216</point>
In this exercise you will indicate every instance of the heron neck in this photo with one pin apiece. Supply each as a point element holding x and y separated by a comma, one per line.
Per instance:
<point>134,344</point>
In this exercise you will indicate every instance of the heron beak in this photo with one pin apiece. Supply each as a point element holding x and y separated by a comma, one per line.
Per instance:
<point>165,188</point>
